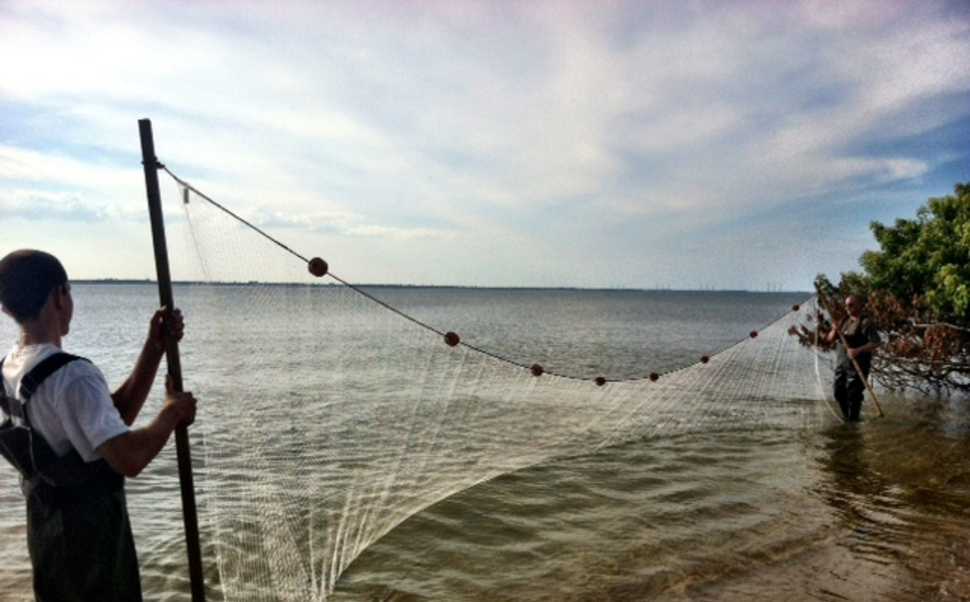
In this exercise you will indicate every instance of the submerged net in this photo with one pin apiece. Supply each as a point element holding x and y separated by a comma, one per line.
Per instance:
<point>331,412</point>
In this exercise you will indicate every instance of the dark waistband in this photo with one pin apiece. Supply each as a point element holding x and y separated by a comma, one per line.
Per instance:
<point>60,495</point>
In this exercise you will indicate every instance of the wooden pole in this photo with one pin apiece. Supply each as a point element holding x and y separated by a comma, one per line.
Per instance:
<point>189,513</point>
<point>855,364</point>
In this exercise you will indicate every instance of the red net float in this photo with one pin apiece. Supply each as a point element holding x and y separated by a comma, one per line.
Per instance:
<point>317,267</point>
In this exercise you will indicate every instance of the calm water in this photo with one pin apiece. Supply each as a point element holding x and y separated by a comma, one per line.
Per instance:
<point>877,511</point>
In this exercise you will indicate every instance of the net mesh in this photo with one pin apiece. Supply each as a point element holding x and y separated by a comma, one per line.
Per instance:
<point>343,415</point>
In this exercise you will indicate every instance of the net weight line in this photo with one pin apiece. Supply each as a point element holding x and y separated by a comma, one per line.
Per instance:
<point>299,489</point>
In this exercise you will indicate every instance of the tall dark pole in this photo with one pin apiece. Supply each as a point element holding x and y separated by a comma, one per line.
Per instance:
<point>189,514</point>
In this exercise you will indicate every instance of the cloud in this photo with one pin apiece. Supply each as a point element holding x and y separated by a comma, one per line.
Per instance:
<point>39,207</point>
<point>619,127</point>
<point>336,224</point>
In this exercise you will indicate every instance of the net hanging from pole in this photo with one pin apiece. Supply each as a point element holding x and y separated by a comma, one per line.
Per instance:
<point>331,414</point>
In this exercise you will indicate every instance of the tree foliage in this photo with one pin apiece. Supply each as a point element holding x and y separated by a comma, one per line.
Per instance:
<point>927,260</point>
<point>917,289</point>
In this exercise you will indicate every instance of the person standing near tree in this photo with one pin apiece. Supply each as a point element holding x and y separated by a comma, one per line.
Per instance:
<point>81,444</point>
<point>861,338</point>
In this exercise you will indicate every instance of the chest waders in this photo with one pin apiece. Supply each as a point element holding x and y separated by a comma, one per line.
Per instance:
<point>78,533</point>
<point>54,478</point>
<point>849,385</point>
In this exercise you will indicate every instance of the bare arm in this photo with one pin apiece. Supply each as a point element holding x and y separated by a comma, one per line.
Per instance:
<point>853,352</point>
<point>867,348</point>
<point>873,340</point>
<point>833,334</point>
<point>131,395</point>
<point>131,452</point>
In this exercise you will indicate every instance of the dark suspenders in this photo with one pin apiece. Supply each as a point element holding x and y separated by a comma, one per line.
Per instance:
<point>32,380</point>
<point>52,478</point>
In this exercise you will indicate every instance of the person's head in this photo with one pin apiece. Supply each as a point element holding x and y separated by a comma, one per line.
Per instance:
<point>27,278</point>
<point>854,304</point>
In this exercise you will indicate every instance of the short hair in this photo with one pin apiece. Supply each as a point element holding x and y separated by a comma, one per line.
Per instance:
<point>27,278</point>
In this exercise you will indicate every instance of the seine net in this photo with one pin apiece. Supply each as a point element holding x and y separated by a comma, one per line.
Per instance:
<point>331,415</point>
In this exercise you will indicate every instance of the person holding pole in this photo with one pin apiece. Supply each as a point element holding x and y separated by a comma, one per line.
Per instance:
<point>81,442</point>
<point>859,338</point>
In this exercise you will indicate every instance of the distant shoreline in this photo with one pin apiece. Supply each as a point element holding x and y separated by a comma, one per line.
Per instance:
<point>145,282</point>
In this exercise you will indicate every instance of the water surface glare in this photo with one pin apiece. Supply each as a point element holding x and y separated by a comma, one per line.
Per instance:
<point>878,511</point>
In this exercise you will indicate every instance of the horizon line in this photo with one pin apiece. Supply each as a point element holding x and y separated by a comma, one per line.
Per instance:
<point>616,288</point>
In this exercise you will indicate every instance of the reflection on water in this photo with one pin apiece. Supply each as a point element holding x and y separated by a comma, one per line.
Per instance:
<point>874,511</point>
<point>877,511</point>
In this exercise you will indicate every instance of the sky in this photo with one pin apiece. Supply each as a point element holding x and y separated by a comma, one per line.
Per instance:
<point>669,144</point>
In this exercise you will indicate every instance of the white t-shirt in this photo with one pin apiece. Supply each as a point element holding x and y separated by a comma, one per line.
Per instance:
<point>72,407</point>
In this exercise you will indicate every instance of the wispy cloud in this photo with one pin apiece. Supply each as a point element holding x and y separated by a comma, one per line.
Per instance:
<point>621,131</point>
<point>57,207</point>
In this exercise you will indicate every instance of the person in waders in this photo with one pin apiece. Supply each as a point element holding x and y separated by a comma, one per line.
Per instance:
<point>71,438</point>
<point>861,339</point>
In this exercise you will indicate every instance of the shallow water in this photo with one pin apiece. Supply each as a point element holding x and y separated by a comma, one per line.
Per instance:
<point>874,511</point>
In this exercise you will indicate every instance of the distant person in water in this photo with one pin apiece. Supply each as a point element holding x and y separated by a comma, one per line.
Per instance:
<point>861,338</point>
<point>79,445</point>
